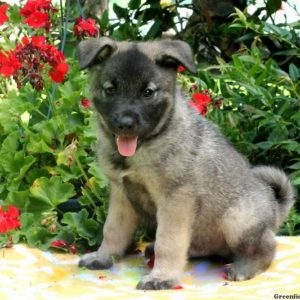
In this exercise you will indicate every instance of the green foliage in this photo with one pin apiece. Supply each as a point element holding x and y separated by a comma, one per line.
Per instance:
<point>143,20</point>
<point>45,161</point>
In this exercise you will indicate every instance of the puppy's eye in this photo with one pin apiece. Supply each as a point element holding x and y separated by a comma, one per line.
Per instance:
<point>110,91</point>
<point>148,93</point>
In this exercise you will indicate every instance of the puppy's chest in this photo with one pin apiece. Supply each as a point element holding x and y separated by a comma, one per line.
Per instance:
<point>141,198</point>
<point>141,184</point>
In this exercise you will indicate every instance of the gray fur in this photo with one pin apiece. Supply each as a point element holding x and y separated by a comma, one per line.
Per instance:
<point>185,177</point>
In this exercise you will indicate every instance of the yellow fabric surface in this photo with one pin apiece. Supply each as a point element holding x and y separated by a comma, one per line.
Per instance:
<point>29,274</point>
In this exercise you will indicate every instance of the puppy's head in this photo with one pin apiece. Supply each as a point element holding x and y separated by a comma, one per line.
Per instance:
<point>133,86</point>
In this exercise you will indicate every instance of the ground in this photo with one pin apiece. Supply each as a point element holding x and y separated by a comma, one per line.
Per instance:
<point>32,274</point>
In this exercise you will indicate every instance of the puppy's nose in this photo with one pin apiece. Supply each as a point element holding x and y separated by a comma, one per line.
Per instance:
<point>126,123</point>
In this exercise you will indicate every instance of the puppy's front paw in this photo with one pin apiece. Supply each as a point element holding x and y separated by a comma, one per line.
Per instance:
<point>92,261</point>
<point>150,283</point>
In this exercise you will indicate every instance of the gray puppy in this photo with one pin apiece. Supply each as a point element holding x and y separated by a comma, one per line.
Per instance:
<point>172,168</point>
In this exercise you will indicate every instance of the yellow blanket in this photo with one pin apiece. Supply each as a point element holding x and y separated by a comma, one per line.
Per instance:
<point>30,274</point>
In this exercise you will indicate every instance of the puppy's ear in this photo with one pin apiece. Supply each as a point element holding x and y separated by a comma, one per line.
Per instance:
<point>174,53</point>
<point>94,51</point>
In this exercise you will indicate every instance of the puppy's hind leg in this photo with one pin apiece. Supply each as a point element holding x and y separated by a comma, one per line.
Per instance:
<point>253,248</point>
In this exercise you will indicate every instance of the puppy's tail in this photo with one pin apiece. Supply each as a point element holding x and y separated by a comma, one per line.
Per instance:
<point>280,184</point>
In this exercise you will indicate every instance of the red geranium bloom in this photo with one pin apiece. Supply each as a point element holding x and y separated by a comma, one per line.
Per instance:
<point>32,6</point>
<point>34,55</point>
<point>200,102</point>
<point>8,63</point>
<point>3,16</point>
<point>86,103</point>
<point>201,98</point>
<point>85,28</point>
<point>59,244</point>
<point>181,69</point>
<point>37,41</point>
<point>38,20</point>
<point>58,72</point>
<point>37,12</point>
<point>9,219</point>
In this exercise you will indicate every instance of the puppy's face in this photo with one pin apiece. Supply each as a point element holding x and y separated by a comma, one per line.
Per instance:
<point>133,92</point>
<point>133,96</point>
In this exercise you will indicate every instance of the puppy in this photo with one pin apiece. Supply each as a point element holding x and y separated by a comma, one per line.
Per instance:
<point>172,168</point>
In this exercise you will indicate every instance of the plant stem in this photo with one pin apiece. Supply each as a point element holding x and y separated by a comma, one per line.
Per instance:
<point>85,176</point>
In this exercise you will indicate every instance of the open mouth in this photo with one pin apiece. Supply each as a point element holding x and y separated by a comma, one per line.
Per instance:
<point>126,145</point>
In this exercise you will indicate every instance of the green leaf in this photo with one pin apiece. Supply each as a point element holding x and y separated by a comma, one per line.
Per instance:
<point>52,191</point>
<point>37,145</point>
<point>272,6</point>
<point>33,174</point>
<point>295,166</point>
<point>296,181</point>
<point>154,30</point>
<point>293,72</point>
<point>289,52</point>
<point>39,237</point>
<point>27,220</point>
<point>20,199</point>
<point>67,173</point>
<point>98,173</point>
<point>122,13</point>
<point>245,37</point>
<point>265,145</point>
<point>14,15</point>
<point>53,129</point>
<point>16,164</point>
<point>66,234</point>
<point>274,29</point>
<point>240,15</point>
<point>11,142</point>
<point>134,4</point>
<point>104,22</point>
<point>86,227</point>
<point>291,145</point>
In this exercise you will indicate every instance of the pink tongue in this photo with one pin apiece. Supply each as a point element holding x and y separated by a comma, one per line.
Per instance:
<point>126,145</point>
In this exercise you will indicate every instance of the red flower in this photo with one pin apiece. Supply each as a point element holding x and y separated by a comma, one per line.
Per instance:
<point>86,103</point>
<point>85,28</point>
<point>37,41</point>
<point>9,219</point>
<point>181,69</point>
<point>59,244</point>
<point>38,20</point>
<point>36,59</point>
<point>200,102</point>
<point>32,6</point>
<point>9,63</point>
<point>3,16</point>
<point>58,72</point>
<point>201,98</point>
<point>37,12</point>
